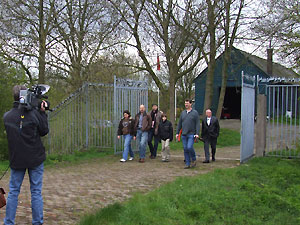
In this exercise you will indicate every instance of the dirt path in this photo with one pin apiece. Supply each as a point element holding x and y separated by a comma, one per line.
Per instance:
<point>70,191</point>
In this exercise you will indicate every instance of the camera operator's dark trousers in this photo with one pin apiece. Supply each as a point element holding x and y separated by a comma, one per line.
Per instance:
<point>153,149</point>
<point>213,143</point>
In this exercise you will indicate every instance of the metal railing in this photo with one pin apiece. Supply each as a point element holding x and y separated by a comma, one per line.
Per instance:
<point>283,121</point>
<point>89,117</point>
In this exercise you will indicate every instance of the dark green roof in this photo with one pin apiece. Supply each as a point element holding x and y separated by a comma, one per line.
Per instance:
<point>278,70</point>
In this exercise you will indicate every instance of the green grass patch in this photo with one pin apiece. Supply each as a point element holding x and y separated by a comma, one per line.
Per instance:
<point>263,191</point>
<point>228,137</point>
<point>285,120</point>
<point>77,156</point>
<point>291,153</point>
<point>3,166</point>
<point>287,153</point>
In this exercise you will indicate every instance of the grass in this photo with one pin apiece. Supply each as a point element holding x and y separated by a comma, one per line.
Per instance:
<point>291,153</point>
<point>286,153</point>
<point>3,166</point>
<point>263,191</point>
<point>285,120</point>
<point>77,156</point>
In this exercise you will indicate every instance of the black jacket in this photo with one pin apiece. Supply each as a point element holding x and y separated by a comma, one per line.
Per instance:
<point>211,131</point>
<point>26,149</point>
<point>131,128</point>
<point>165,130</point>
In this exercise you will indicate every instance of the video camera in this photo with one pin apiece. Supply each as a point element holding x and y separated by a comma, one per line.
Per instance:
<point>33,98</point>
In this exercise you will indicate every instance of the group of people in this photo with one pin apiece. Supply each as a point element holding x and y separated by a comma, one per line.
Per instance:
<point>154,125</point>
<point>144,128</point>
<point>24,129</point>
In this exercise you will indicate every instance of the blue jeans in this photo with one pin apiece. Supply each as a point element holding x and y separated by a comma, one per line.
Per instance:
<point>36,182</point>
<point>189,152</point>
<point>131,153</point>
<point>142,137</point>
<point>127,146</point>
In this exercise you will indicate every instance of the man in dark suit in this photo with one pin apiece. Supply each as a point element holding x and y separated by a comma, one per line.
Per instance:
<point>209,134</point>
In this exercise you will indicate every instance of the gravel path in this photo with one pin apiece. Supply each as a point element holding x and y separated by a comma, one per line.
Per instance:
<point>71,190</point>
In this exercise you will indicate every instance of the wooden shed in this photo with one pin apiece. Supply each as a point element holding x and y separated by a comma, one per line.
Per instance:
<point>240,61</point>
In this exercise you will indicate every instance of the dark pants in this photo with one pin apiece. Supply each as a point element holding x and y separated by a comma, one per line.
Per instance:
<point>153,149</point>
<point>213,143</point>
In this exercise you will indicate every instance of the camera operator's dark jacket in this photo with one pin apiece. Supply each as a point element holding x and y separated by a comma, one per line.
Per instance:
<point>26,149</point>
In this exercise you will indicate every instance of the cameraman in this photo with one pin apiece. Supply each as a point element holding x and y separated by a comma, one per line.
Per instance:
<point>26,151</point>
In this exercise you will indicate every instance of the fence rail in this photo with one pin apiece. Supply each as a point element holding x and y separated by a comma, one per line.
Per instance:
<point>89,117</point>
<point>283,121</point>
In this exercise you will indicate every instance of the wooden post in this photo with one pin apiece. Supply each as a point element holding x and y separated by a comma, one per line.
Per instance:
<point>261,124</point>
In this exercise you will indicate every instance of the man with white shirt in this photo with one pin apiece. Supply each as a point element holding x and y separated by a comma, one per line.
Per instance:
<point>209,135</point>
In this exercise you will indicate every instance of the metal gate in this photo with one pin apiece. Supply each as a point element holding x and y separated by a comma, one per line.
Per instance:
<point>128,95</point>
<point>89,117</point>
<point>283,130</point>
<point>247,117</point>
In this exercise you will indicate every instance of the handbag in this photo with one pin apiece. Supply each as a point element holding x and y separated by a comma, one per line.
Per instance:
<point>2,192</point>
<point>2,198</point>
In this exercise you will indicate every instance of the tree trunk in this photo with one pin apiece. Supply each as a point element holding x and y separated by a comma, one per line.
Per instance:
<point>229,40</point>
<point>172,99</point>
<point>209,91</point>
<point>209,85</point>
<point>42,44</point>
<point>224,83</point>
<point>164,100</point>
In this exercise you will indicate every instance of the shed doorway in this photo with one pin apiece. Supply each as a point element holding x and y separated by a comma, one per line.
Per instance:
<point>232,103</point>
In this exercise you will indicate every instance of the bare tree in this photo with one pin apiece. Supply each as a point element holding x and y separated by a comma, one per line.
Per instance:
<point>24,35</point>
<point>163,27</point>
<point>82,30</point>
<point>277,26</point>
<point>212,26</point>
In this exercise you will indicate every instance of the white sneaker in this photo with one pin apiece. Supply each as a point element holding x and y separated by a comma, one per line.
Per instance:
<point>122,160</point>
<point>130,159</point>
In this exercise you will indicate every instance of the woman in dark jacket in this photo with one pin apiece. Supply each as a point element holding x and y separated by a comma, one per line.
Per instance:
<point>126,128</point>
<point>165,134</point>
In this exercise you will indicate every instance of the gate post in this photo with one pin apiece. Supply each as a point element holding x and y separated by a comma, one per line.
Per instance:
<point>261,124</point>
<point>87,115</point>
<point>49,133</point>
<point>115,114</point>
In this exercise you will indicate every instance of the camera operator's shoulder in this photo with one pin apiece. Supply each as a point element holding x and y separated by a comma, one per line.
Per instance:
<point>7,114</point>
